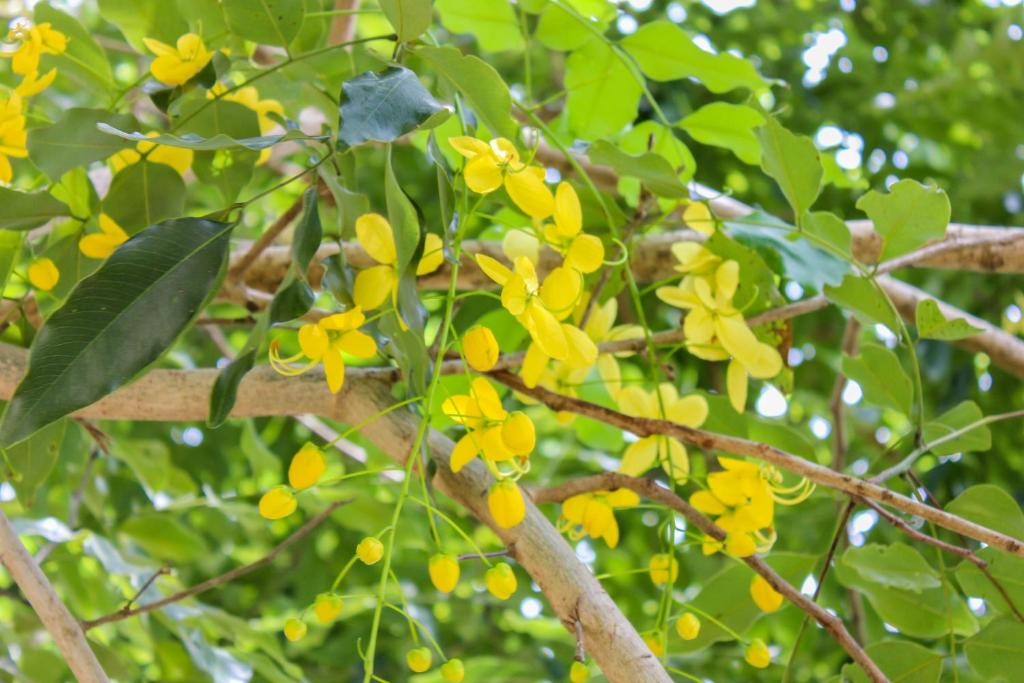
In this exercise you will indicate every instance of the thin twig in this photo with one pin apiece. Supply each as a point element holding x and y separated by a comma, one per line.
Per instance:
<point>917,535</point>
<point>267,238</point>
<point>490,555</point>
<point>164,569</point>
<point>235,573</point>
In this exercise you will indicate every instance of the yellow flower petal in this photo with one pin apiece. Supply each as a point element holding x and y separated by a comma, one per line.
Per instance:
<point>707,503</point>
<point>663,568</point>
<point>688,626</point>
<point>534,364</point>
<point>640,456</point>
<point>482,174</point>
<point>334,369</point>
<point>518,243</point>
<point>757,654</point>
<point>547,332</point>
<point>375,235</point>
<point>561,291</point>
<point>465,450</point>
<point>277,503</point>
<point>370,550</point>
<point>674,459</point>
<point>433,254</point>
<point>313,341</point>
<point>765,597</point>
<point>307,467</point>
<point>697,215</point>
<point>469,147</point>
<point>43,274</point>
<point>736,385</point>
<point>518,433</point>
<point>586,254</point>
<point>582,350</point>
<point>480,348</point>
<point>690,411</point>
<point>493,268</point>
<point>568,214</point>
<point>373,286</point>
<point>528,191</point>
<point>357,344</point>
<point>506,505</point>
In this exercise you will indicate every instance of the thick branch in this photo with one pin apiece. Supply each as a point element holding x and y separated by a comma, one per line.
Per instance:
<point>651,490</point>
<point>51,611</point>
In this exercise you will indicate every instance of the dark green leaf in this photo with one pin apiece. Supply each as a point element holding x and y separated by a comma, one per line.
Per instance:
<point>997,653</point>
<point>653,170</point>
<point>960,417</point>
<point>308,232</point>
<point>33,459</point>
<point>381,107</point>
<point>865,300</point>
<point>907,217</point>
<point>144,194</point>
<point>293,299</point>
<point>118,322</point>
<point>75,140</point>
<point>878,372</point>
<point>480,84</point>
<point>931,324</point>
<point>26,210</point>
<point>493,24</point>
<point>409,18</point>
<point>227,169</point>
<point>793,161</point>
<point>274,22</point>
<point>727,125</point>
<point>403,217</point>
<point>896,566</point>
<point>225,387</point>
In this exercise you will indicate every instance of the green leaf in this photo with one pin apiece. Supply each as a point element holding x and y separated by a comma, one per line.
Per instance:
<point>229,169</point>
<point>274,22</point>
<point>653,170</point>
<point>963,415</point>
<point>161,535</point>
<point>308,232</point>
<point>480,84</point>
<point>925,614</point>
<point>878,372</point>
<point>727,125</point>
<point>1007,570</point>
<point>997,652</point>
<point>666,52</point>
<point>138,20</point>
<point>902,661</point>
<point>218,141</point>
<point>931,324</point>
<point>910,215</point>
<point>827,227</point>
<point>293,299</point>
<point>118,322</point>
<point>602,93</point>
<point>225,388</point>
<point>559,29</point>
<point>403,217</point>
<point>865,300</point>
<point>802,261</point>
<point>793,162</point>
<point>144,194</point>
<point>410,18</point>
<point>897,566</point>
<point>493,24</point>
<point>651,136</point>
<point>75,141</point>
<point>83,59</point>
<point>991,506</point>
<point>26,210</point>
<point>381,107</point>
<point>33,459</point>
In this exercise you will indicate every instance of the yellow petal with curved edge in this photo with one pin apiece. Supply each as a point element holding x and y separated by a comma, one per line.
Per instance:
<point>547,332</point>
<point>674,459</point>
<point>688,626</point>
<point>677,296</point>
<point>699,326</point>
<point>482,174</point>
<point>487,398</point>
<point>727,487</point>
<point>610,373</point>
<point>178,158</point>
<point>694,257</point>
<point>518,433</point>
<point>358,344</point>
<point>766,363</point>
<point>373,286</point>
<point>465,450</point>
<point>707,503</point>
<point>601,319</point>
<point>623,498</point>
<point>342,322</point>
<point>574,506</point>
<point>702,289</point>
<point>43,274</point>
<point>313,341</point>
<point>98,245</point>
<point>582,350</point>
<point>689,411</point>
<point>740,544</point>
<point>520,243</point>
<point>307,466</point>
<point>506,505</point>
<point>6,172</point>
<point>492,445</point>
<point>586,254</point>
<point>461,409</point>
<point>500,579</point>
<point>277,503</point>
<point>158,48</point>
<point>640,456</point>
<point>757,654</point>
<point>697,216</point>
<point>740,466</point>
<point>738,339</point>
<point>493,268</point>
<point>514,295</point>
<point>433,254</point>
<point>528,191</point>
<point>469,147</point>
<point>561,291</point>
<point>504,150</point>
<point>444,574</point>
<point>526,270</point>
<point>727,279</point>
<point>534,364</point>
<point>334,368</point>
<point>736,385</point>
<point>480,347</point>
<point>568,214</point>
<point>765,597</point>
<point>376,236</point>
<point>636,402</point>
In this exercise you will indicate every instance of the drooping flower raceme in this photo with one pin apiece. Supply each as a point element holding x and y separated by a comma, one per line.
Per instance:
<point>178,64</point>
<point>325,342</point>
<point>666,404</point>
<point>490,165</point>
<point>593,514</point>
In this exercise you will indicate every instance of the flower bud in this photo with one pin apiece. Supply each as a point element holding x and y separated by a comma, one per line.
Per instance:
<point>757,654</point>
<point>453,671</point>
<point>277,503</point>
<point>43,274</point>
<point>444,572</point>
<point>327,607</point>
<point>664,569</point>
<point>307,467</point>
<point>505,501</point>
<point>480,348</point>
<point>688,626</point>
<point>765,597</point>
<point>578,672</point>
<point>501,581</point>
<point>518,433</point>
<point>370,550</point>
<point>418,659</point>
<point>294,629</point>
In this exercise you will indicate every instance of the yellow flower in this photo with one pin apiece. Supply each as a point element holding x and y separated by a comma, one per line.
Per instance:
<point>592,514</point>
<point>582,252</point>
<point>480,348</point>
<point>307,467</point>
<point>376,284</point>
<point>179,64</point>
<point>444,572</point>
<point>36,40</point>
<point>277,503</point>
<point>653,641</point>
<point>501,581</point>
<point>490,165</point>
<point>433,255</point>
<point>697,215</point>
<point>765,597</point>
<point>295,629</point>
<point>325,341</point>
<point>663,569</point>
<point>418,659</point>
<point>505,503</point>
<point>178,158</point>
<point>578,672</point>
<point>43,274</point>
<point>327,607</point>
<point>688,626</point>
<point>102,244</point>
<point>12,135</point>
<point>757,654</point>
<point>742,498</point>
<point>453,671</point>
<point>666,404</point>
<point>492,431</point>
<point>540,306</point>
<point>32,84</point>
<point>370,550</point>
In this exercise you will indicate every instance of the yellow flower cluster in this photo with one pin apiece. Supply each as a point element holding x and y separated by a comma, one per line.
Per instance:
<point>326,341</point>
<point>664,403</point>
<point>593,514</point>
<point>714,328</point>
